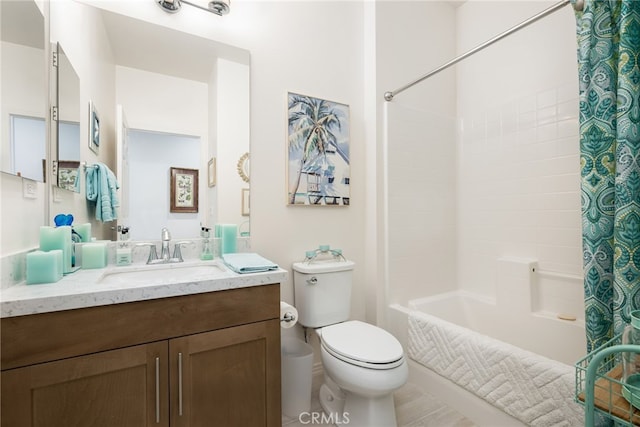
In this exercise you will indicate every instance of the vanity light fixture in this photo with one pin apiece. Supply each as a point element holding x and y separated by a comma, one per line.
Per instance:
<point>171,6</point>
<point>218,7</point>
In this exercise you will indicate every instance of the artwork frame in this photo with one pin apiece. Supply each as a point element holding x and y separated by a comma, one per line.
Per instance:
<point>94,128</point>
<point>211,172</point>
<point>243,167</point>
<point>184,190</point>
<point>246,206</point>
<point>68,174</point>
<point>318,160</point>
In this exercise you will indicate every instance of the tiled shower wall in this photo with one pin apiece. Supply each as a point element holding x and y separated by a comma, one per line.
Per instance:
<point>497,176</point>
<point>421,168</point>
<point>511,188</point>
<point>519,195</point>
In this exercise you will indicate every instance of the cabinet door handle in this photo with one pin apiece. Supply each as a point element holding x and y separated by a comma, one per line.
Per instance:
<point>180,384</point>
<point>157,390</point>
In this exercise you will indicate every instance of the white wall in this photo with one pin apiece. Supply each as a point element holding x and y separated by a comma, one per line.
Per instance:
<point>21,217</point>
<point>421,203</point>
<point>233,130</point>
<point>22,94</point>
<point>519,150</point>
<point>312,48</point>
<point>151,155</point>
<point>412,39</point>
<point>149,101</point>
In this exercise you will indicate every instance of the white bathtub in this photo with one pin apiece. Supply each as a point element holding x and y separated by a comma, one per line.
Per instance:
<point>544,334</point>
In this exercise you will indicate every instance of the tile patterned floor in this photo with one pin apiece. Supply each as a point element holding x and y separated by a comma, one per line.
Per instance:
<point>414,408</point>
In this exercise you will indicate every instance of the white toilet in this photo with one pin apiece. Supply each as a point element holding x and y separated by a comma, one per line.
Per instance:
<point>363,364</point>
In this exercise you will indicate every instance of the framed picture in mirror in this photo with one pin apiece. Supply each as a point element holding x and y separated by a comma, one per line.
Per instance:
<point>68,175</point>
<point>94,128</point>
<point>184,190</point>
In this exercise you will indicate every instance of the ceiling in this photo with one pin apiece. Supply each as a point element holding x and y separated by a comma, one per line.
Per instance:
<point>151,47</point>
<point>22,23</point>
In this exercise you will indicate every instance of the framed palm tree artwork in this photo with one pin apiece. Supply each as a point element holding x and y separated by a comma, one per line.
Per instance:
<point>318,152</point>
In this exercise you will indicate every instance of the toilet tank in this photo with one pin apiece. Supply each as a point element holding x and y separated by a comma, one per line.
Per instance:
<point>322,292</point>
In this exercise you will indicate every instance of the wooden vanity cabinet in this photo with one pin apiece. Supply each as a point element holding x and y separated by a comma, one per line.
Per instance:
<point>208,359</point>
<point>110,388</point>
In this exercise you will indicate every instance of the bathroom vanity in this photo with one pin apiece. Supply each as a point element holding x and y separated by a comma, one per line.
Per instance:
<point>205,352</point>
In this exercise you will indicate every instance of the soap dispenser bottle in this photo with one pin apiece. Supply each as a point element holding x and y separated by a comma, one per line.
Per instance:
<point>123,252</point>
<point>207,253</point>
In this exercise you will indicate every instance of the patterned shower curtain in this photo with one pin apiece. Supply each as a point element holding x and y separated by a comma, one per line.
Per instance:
<point>609,73</point>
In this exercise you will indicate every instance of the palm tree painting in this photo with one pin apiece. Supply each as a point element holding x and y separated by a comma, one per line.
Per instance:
<point>318,152</point>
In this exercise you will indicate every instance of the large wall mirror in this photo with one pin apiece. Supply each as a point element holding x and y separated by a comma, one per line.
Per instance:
<point>67,123</point>
<point>24,93</point>
<point>167,99</point>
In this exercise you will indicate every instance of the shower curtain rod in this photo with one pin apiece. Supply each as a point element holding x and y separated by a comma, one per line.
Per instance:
<point>578,5</point>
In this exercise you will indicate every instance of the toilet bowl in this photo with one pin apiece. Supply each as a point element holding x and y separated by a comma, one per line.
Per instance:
<point>364,365</point>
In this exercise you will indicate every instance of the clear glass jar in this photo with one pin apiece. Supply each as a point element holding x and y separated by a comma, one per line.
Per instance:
<point>631,361</point>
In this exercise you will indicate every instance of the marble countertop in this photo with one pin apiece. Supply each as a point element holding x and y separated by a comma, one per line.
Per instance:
<point>115,285</point>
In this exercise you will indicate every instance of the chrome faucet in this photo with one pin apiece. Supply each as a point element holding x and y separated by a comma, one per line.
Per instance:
<point>165,253</point>
<point>153,255</point>
<point>166,239</point>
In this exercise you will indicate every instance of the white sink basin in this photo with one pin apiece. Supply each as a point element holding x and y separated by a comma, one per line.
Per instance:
<point>183,272</point>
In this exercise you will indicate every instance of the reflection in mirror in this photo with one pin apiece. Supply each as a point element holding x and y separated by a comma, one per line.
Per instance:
<point>243,167</point>
<point>185,85</point>
<point>23,95</point>
<point>150,155</point>
<point>68,123</point>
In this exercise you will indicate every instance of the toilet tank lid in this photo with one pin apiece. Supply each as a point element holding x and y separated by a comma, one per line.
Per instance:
<point>323,266</point>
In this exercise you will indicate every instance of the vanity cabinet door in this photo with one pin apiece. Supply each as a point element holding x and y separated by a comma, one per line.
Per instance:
<point>124,387</point>
<point>228,377</point>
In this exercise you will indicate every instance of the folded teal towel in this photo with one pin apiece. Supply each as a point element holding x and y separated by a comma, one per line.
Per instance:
<point>248,263</point>
<point>101,188</point>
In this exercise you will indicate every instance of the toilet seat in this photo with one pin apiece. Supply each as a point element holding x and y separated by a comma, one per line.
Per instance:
<point>363,345</point>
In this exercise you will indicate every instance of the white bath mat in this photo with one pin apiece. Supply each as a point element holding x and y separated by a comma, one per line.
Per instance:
<point>533,389</point>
